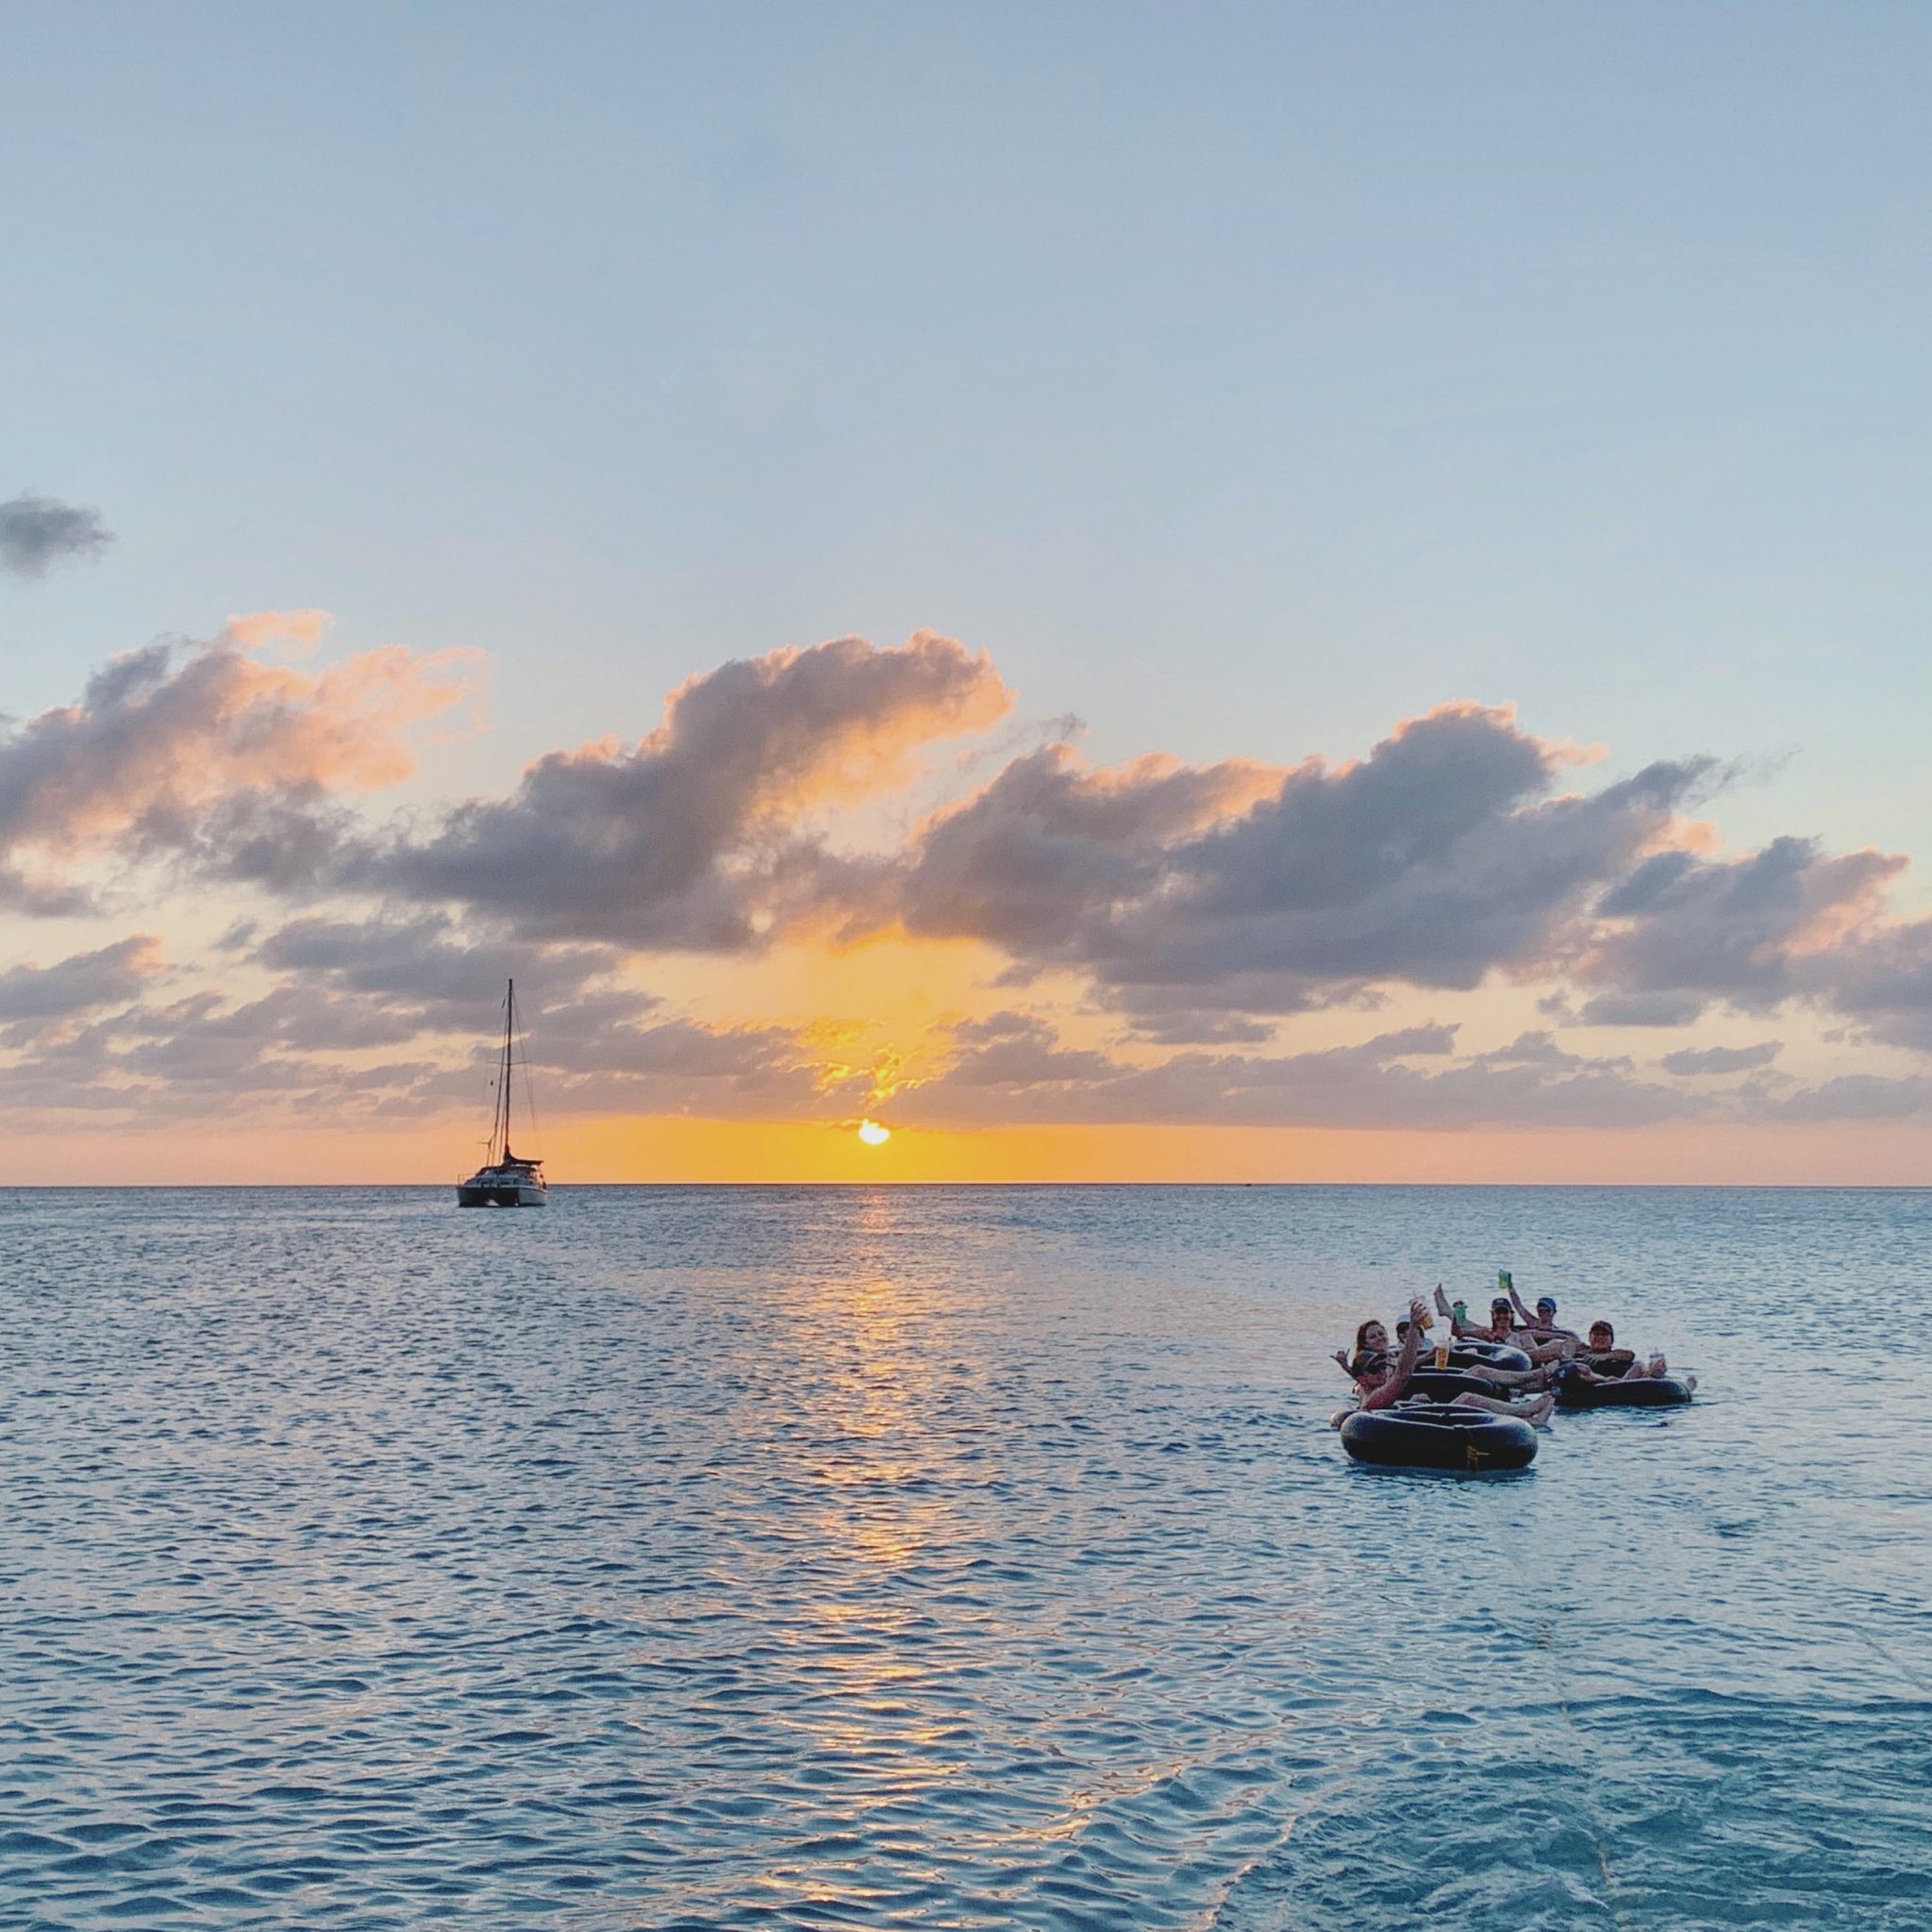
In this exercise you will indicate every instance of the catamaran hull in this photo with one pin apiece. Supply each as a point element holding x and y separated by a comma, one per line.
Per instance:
<point>500,1194</point>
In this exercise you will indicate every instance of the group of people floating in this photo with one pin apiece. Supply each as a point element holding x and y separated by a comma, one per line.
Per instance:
<point>1519,1367</point>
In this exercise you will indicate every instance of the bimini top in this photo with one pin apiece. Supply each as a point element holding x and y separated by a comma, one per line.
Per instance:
<point>510,1159</point>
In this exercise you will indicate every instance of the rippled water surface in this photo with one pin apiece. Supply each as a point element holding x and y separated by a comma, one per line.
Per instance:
<point>975,1558</point>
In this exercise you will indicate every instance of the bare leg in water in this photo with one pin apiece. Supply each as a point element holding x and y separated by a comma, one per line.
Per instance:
<point>1520,1381</point>
<point>1535,1413</point>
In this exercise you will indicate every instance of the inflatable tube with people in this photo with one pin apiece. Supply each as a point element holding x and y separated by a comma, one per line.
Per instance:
<point>1470,1353</point>
<point>1467,1442</point>
<point>1446,1385</point>
<point>1632,1391</point>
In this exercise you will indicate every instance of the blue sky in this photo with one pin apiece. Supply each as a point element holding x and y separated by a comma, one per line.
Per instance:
<point>1243,379</point>
<point>1313,362</point>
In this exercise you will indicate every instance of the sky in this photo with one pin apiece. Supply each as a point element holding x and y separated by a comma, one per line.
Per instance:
<point>1243,593</point>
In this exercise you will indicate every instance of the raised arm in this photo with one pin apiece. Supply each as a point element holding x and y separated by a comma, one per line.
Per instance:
<point>1548,1331</point>
<point>1391,1391</point>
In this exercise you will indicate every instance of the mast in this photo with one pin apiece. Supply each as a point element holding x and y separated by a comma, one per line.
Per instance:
<point>509,1021</point>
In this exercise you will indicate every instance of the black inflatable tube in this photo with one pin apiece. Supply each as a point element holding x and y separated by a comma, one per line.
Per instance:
<point>1446,1385</point>
<point>1467,1442</point>
<point>1632,1391</point>
<point>1486,1355</point>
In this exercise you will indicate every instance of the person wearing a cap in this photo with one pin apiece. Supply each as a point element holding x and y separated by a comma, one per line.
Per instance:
<point>1503,1328</point>
<point>1542,1324</point>
<point>1601,1360</point>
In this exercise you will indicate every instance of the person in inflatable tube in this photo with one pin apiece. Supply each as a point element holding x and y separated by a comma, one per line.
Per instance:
<point>1542,1324</point>
<point>1503,1381</point>
<point>1601,1361</point>
<point>1380,1384</point>
<point>1503,1328</point>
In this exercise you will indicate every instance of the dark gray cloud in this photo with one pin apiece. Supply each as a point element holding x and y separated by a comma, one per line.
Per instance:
<point>36,531</point>
<point>693,838</point>
<point>1196,906</point>
<point>421,963</point>
<point>222,1051</point>
<point>1855,1097</point>
<point>1632,1008</point>
<point>1540,1049</point>
<point>1721,1060</point>
<point>1163,1025</point>
<point>1881,977</point>
<point>82,983</point>
<point>1015,1050</point>
<point>293,841</point>
<point>1442,855</point>
<point>282,1054</point>
<point>41,897</point>
<point>1048,848</point>
<point>1735,928</point>
<point>1789,922</point>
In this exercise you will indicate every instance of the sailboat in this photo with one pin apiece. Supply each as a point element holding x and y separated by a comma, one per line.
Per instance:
<point>506,1179</point>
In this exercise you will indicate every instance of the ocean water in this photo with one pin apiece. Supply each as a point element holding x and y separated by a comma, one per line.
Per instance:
<point>948,1557</point>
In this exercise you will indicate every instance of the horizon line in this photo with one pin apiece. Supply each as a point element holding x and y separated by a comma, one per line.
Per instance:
<point>858,1185</point>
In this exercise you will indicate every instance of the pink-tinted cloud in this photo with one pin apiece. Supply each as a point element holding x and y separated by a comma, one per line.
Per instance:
<point>300,630</point>
<point>165,738</point>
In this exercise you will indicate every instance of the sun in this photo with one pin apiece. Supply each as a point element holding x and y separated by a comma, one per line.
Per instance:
<point>873,1134</point>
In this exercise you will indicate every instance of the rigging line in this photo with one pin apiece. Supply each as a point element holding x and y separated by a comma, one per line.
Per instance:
<point>529,1092</point>
<point>508,1079</point>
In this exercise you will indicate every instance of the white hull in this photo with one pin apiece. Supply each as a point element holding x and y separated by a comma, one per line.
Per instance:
<point>494,1188</point>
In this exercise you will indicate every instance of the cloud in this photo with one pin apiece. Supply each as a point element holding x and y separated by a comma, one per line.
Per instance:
<point>1015,1050</point>
<point>112,976</point>
<point>1189,907</point>
<point>1720,1059</point>
<point>179,747</point>
<point>1166,1026</point>
<point>36,531</point>
<point>1042,854</point>
<point>1880,976</point>
<point>300,1049</point>
<point>1026,1075</point>
<point>1734,928</point>
<point>1442,856</point>
<point>698,835</point>
<point>1540,1049</point>
<point>423,964</point>
<point>1789,922</point>
<point>300,630</point>
<point>1639,1009</point>
<point>1856,1097</point>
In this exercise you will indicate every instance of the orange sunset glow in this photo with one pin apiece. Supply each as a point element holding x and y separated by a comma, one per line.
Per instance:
<point>828,919</point>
